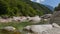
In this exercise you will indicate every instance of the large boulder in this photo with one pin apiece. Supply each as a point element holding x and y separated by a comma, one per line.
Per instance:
<point>44,29</point>
<point>52,31</point>
<point>35,19</point>
<point>55,25</point>
<point>46,16</point>
<point>38,28</point>
<point>55,17</point>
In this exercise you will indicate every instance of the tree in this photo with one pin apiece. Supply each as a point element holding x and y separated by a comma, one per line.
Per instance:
<point>57,8</point>
<point>22,8</point>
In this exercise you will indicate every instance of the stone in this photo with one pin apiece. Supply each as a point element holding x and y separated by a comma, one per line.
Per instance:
<point>55,17</point>
<point>9,28</point>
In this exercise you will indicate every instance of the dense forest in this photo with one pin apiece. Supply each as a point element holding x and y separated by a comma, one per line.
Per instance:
<point>57,8</point>
<point>22,8</point>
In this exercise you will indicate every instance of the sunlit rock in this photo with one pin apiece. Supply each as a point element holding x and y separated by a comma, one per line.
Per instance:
<point>9,28</point>
<point>56,25</point>
<point>38,28</point>
<point>35,19</point>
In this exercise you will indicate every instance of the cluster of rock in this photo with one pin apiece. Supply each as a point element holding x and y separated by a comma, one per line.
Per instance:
<point>36,29</point>
<point>22,19</point>
<point>35,19</point>
<point>46,18</point>
<point>56,17</point>
<point>43,29</point>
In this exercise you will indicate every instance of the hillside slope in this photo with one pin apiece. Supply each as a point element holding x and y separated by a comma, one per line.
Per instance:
<point>22,8</point>
<point>50,7</point>
<point>38,6</point>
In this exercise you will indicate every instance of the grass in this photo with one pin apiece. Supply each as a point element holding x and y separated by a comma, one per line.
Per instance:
<point>17,25</point>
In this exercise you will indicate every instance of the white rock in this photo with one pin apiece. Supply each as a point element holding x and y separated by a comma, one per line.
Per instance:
<point>16,18</point>
<point>45,19</point>
<point>27,27</point>
<point>46,16</point>
<point>28,18</point>
<point>9,28</point>
<point>39,28</point>
<point>20,19</point>
<point>23,19</point>
<point>35,19</point>
<point>3,20</point>
<point>56,25</point>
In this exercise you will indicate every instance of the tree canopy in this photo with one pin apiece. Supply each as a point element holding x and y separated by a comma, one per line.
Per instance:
<point>57,8</point>
<point>22,8</point>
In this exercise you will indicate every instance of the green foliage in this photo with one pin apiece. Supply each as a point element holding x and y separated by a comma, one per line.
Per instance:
<point>57,8</point>
<point>22,8</point>
<point>18,25</point>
